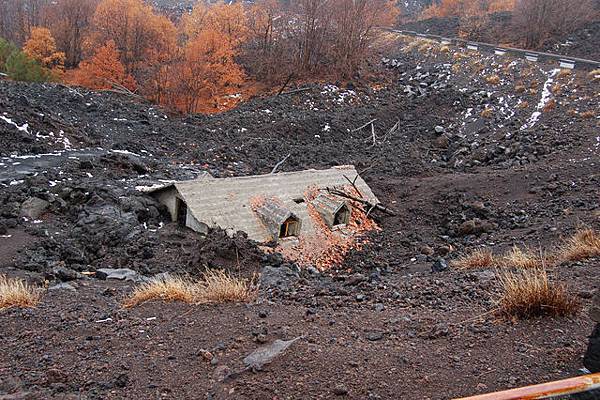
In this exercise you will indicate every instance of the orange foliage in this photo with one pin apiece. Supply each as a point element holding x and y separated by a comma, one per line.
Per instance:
<point>206,70</point>
<point>68,21</point>
<point>228,20</point>
<point>42,47</point>
<point>103,70</point>
<point>140,35</point>
<point>466,8</point>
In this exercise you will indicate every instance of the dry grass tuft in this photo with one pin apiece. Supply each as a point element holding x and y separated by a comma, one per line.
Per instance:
<point>585,243</point>
<point>556,88</point>
<point>220,287</point>
<point>564,73</point>
<point>550,105</point>
<point>493,79</point>
<point>595,75</point>
<point>18,293</point>
<point>214,287</point>
<point>459,56</point>
<point>587,114</point>
<point>520,88</point>
<point>529,293</point>
<point>522,259</point>
<point>480,258</point>
<point>425,47</point>
<point>523,105</point>
<point>487,113</point>
<point>166,289</point>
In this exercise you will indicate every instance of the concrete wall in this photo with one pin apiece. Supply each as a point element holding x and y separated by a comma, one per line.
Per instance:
<point>194,224</point>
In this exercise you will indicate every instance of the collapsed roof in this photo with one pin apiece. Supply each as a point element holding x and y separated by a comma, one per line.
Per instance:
<point>265,207</point>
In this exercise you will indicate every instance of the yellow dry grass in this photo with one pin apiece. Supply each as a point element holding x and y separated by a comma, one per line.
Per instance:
<point>587,114</point>
<point>523,105</point>
<point>420,44</point>
<point>459,55</point>
<point>564,73</point>
<point>556,88</point>
<point>18,293</point>
<point>167,289</point>
<point>530,293</point>
<point>595,74</point>
<point>220,287</point>
<point>550,105</point>
<point>493,79</point>
<point>520,88</point>
<point>522,259</point>
<point>214,287</point>
<point>487,113</point>
<point>585,243</point>
<point>480,258</point>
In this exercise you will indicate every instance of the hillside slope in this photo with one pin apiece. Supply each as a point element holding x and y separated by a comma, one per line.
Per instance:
<point>488,152</point>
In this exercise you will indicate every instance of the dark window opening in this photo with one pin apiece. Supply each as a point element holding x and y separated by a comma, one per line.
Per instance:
<point>291,227</point>
<point>342,217</point>
<point>299,200</point>
<point>181,212</point>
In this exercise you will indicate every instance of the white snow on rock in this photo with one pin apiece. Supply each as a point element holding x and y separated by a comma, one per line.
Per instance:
<point>23,128</point>
<point>546,96</point>
<point>127,152</point>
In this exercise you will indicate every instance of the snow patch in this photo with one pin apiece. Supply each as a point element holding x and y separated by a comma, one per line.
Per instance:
<point>546,96</point>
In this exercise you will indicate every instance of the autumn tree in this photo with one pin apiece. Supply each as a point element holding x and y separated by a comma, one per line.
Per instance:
<point>537,20</point>
<point>18,17</point>
<point>467,8</point>
<point>41,47</point>
<point>227,19</point>
<point>261,17</point>
<point>103,71</point>
<point>139,34</point>
<point>68,21</point>
<point>353,30</point>
<point>207,68</point>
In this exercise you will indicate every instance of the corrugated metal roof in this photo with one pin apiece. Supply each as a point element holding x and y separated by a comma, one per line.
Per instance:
<point>226,202</point>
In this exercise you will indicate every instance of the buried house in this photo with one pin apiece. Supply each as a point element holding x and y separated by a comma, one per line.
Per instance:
<point>266,207</point>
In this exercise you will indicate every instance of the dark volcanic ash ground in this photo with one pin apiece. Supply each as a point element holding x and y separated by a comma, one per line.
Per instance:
<point>475,161</point>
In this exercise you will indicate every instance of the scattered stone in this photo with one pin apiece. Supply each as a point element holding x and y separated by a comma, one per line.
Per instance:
<point>443,250</point>
<point>475,226</point>
<point>117,273</point>
<point>264,355</point>
<point>65,274</point>
<point>426,250</point>
<point>281,278</point>
<point>439,129</point>
<point>340,390</point>
<point>62,286</point>
<point>439,265</point>
<point>379,307</point>
<point>374,336</point>
<point>442,142</point>
<point>33,207</point>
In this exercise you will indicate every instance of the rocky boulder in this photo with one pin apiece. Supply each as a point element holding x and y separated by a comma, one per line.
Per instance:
<point>33,207</point>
